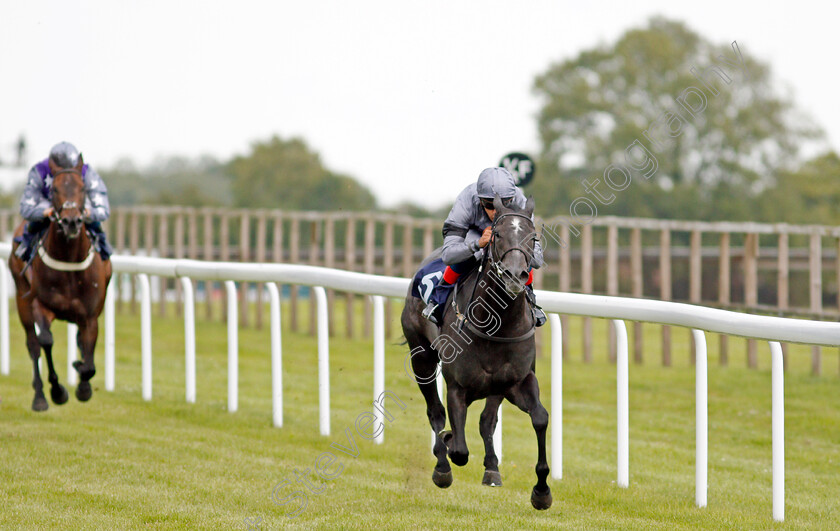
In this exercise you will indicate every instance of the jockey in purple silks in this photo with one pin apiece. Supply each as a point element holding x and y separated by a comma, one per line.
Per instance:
<point>36,208</point>
<point>467,231</point>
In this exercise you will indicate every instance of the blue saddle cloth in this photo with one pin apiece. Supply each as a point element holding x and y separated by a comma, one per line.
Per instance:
<point>427,278</point>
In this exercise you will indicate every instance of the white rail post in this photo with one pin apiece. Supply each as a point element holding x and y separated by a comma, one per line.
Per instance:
<point>778,415</point>
<point>378,362</point>
<point>189,338</point>
<point>233,346</point>
<point>623,404</point>
<point>110,333</point>
<point>556,396</point>
<point>323,360</point>
<point>146,334</point>
<point>4,318</point>
<point>276,357</point>
<point>72,349</point>
<point>701,414</point>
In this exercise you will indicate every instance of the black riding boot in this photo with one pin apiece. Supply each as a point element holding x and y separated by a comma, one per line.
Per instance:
<point>29,239</point>
<point>437,302</point>
<point>539,315</point>
<point>100,241</point>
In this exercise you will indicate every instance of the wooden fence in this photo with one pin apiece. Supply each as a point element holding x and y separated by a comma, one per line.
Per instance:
<point>765,268</point>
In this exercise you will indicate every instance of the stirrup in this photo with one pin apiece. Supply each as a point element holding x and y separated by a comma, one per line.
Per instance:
<point>539,316</point>
<point>429,312</point>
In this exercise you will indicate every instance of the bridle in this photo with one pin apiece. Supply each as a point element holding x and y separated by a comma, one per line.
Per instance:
<point>497,263</point>
<point>498,267</point>
<point>48,260</point>
<point>56,216</point>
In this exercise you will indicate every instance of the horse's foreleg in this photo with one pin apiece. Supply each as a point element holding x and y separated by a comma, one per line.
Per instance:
<point>456,402</point>
<point>27,319</point>
<point>487,426</point>
<point>86,340</point>
<point>526,396</point>
<point>39,403</point>
<point>45,338</point>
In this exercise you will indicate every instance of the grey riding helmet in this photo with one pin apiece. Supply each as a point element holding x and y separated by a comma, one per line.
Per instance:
<point>65,155</point>
<point>494,181</point>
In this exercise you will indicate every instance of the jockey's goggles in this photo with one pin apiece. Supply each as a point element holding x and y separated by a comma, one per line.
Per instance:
<point>488,203</point>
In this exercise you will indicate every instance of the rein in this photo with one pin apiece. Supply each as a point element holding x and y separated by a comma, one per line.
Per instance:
<point>499,270</point>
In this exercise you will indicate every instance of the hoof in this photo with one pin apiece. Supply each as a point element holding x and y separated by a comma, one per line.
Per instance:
<point>492,478</point>
<point>445,436</point>
<point>83,391</point>
<point>541,501</point>
<point>59,394</point>
<point>442,479</point>
<point>40,404</point>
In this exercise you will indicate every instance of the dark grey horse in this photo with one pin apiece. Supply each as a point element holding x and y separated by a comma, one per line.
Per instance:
<point>485,348</point>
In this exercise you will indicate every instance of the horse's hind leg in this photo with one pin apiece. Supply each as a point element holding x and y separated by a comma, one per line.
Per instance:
<point>424,365</point>
<point>86,339</point>
<point>487,427</point>
<point>526,396</point>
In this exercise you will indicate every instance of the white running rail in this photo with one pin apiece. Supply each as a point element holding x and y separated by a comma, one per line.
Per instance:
<point>617,309</point>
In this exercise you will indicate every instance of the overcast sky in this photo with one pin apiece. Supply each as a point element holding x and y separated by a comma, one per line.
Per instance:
<point>413,99</point>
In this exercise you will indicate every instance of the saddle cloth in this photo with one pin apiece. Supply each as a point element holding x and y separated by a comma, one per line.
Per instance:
<point>427,278</point>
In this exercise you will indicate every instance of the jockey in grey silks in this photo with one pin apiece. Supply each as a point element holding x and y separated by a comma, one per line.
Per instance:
<point>467,231</point>
<point>36,209</point>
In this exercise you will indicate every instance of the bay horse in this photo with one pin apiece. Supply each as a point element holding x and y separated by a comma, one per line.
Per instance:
<point>67,279</point>
<point>492,357</point>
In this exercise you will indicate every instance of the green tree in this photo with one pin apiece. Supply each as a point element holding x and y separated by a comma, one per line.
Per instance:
<point>809,195</point>
<point>169,181</point>
<point>287,174</point>
<point>730,132</point>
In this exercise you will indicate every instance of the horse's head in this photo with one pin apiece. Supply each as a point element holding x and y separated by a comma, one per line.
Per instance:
<point>512,247</point>
<point>67,194</point>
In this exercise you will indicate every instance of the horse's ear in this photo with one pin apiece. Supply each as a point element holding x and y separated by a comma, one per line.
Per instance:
<point>81,163</point>
<point>54,169</point>
<point>497,203</point>
<point>529,205</point>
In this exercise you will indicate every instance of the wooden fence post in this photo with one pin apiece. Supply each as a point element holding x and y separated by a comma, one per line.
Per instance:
<point>262,230</point>
<point>350,265</point>
<point>208,255</point>
<point>388,270</point>
<point>370,250</point>
<point>119,247</point>
<point>586,276</point>
<point>294,257</point>
<point>565,283</point>
<point>163,252</point>
<point>135,246</point>
<point>724,287</point>
<point>314,259</point>
<point>179,253</point>
<point>637,275</point>
<point>751,289</point>
<point>612,278</point>
<point>815,275</point>
<point>665,289</point>
<point>782,282</point>
<point>329,261</point>
<point>695,281</point>
<point>244,256</point>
